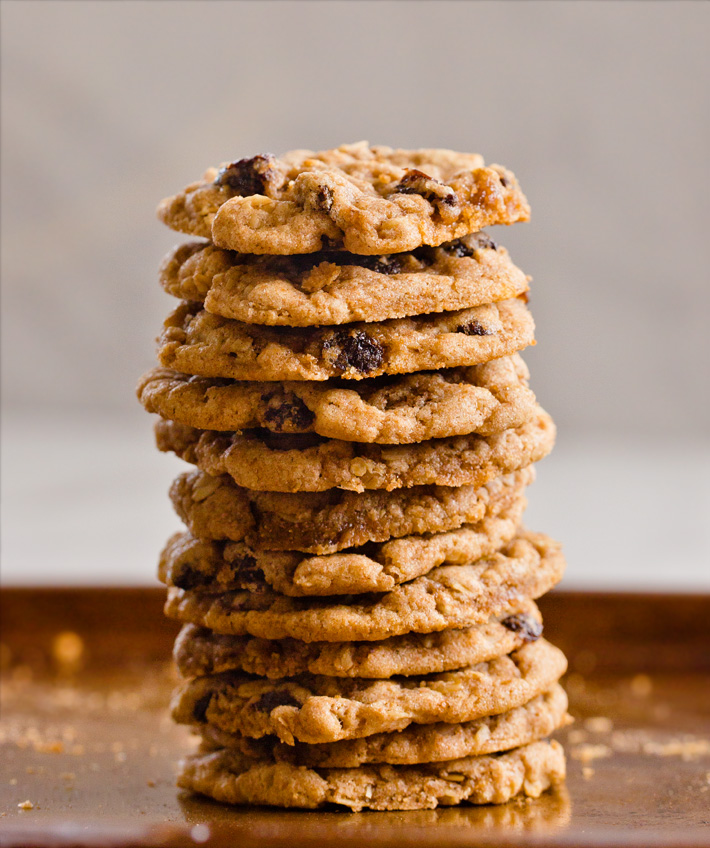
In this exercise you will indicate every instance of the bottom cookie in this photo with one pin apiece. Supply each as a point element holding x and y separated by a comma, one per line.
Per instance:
<point>228,776</point>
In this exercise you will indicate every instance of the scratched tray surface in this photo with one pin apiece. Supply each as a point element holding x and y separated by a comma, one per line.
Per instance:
<point>88,751</point>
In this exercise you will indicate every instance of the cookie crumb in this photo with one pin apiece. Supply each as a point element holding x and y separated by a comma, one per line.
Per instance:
<point>686,749</point>
<point>641,685</point>
<point>599,724</point>
<point>68,649</point>
<point>26,805</point>
<point>588,753</point>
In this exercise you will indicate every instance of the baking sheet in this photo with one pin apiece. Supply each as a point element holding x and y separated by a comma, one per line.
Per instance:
<point>88,751</point>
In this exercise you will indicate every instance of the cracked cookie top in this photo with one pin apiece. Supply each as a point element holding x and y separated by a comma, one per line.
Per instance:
<point>366,200</point>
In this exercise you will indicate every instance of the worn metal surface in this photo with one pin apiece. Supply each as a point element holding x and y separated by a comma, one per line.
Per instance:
<point>86,740</point>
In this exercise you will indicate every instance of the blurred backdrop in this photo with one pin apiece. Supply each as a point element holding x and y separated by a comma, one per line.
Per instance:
<point>601,109</point>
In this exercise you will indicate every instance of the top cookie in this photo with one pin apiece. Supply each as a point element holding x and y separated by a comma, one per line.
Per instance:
<point>368,200</point>
<point>336,287</point>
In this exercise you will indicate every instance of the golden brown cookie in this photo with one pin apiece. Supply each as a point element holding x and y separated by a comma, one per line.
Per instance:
<point>308,463</point>
<point>369,200</point>
<point>199,651</point>
<point>418,743</point>
<point>209,566</point>
<point>335,287</point>
<point>229,776</point>
<point>400,409</point>
<point>326,522</point>
<point>196,342</point>
<point>316,709</point>
<point>448,596</point>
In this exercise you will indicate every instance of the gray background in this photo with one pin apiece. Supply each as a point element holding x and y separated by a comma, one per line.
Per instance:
<point>601,109</point>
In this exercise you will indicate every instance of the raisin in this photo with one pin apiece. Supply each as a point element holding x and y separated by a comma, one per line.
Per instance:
<point>269,700</point>
<point>247,176</point>
<point>289,441</point>
<point>381,264</point>
<point>461,247</point>
<point>355,350</point>
<point>484,240</point>
<point>288,415</point>
<point>474,328</point>
<point>529,628</point>
<point>458,248</point>
<point>249,575</point>
<point>199,711</point>
<point>189,578</point>
<point>409,182</point>
<point>417,182</point>
<point>324,198</point>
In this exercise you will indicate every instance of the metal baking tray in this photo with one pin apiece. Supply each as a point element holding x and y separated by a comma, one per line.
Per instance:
<point>88,751</point>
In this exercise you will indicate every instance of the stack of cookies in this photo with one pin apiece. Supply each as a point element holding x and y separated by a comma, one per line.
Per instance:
<point>355,585</point>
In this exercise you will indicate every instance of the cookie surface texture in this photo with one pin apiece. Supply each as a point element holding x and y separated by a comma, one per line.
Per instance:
<point>326,522</point>
<point>199,651</point>
<point>418,743</point>
<point>448,596</point>
<point>402,409</point>
<point>317,709</point>
<point>187,562</point>
<point>230,777</point>
<point>194,341</point>
<point>335,287</point>
<point>366,200</point>
<point>304,463</point>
